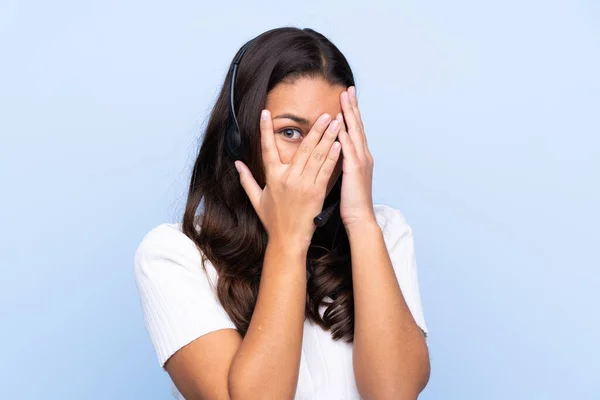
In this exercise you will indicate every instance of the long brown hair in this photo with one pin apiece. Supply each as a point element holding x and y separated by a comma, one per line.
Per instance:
<point>231,235</point>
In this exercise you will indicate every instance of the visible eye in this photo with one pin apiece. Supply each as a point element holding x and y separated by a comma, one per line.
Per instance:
<point>285,133</point>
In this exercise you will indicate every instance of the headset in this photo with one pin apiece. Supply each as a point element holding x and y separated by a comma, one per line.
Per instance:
<point>233,140</point>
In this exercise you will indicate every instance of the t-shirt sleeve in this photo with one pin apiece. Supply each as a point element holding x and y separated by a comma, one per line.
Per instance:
<point>178,301</point>
<point>399,240</point>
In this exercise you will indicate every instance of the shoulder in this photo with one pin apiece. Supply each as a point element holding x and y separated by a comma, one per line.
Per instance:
<point>166,236</point>
<point>392,221</point>
<point>165,249</point>
<point>176,289</point>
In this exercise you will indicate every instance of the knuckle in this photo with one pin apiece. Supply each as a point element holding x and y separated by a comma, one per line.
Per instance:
<point>312,191</point>
<point>353,168</point>
<point>309,186</point>
<point>304,148</point>
<point>318,155</point>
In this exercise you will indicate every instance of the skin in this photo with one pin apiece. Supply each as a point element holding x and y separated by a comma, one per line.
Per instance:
<point>390,357</point>
<point>307,99</point>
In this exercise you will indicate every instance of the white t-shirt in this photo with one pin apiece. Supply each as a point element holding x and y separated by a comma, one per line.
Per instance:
<point>180,305</point>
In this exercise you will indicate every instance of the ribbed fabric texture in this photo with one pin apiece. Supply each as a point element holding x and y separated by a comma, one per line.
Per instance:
<point>179,304</point>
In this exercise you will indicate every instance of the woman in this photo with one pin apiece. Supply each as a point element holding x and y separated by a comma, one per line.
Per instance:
<point>249,299</point>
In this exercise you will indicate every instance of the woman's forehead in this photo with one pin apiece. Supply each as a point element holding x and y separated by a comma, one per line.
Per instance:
<point>307,98</point>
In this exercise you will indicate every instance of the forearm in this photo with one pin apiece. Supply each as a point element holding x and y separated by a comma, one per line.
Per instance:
<point>267,362</point>
<point>390,356</point>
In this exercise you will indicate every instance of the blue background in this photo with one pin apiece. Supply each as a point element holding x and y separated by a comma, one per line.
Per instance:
<point>483,118</point>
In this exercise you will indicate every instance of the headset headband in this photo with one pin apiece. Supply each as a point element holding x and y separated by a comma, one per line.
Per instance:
<point>233,139</point>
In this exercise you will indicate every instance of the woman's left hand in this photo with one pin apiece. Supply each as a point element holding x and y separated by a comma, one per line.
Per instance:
<point>356,204</point>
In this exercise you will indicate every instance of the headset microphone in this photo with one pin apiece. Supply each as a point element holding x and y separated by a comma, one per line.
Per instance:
<point>321,219</point>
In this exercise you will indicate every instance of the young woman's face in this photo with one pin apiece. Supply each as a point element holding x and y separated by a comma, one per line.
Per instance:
<point>307,99</point>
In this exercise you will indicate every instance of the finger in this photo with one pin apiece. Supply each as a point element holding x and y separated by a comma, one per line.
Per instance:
<point>368,153</point>
<point>319,154</point>
<point>340,118</point>
<point>348,148</point>
<point>268,146</point>
<point>329,165</point>
<point>308,144</point>
<point>252,189</point>
<point>354,128</point>
<point>344,132</point>
<point>354,102</point>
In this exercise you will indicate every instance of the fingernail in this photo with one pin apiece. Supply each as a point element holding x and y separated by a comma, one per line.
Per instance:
<point>345,96</point>
<point>237,166</point>
<point>264,114</point>
<point>336,146</point>
<point>352,90</point>
<point>325,118</point>
<point>334,125</point>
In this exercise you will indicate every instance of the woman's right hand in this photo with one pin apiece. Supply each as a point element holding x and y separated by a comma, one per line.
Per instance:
<point>294,193</point>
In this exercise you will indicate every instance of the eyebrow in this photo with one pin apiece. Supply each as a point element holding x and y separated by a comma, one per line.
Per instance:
<point>300,120</point>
